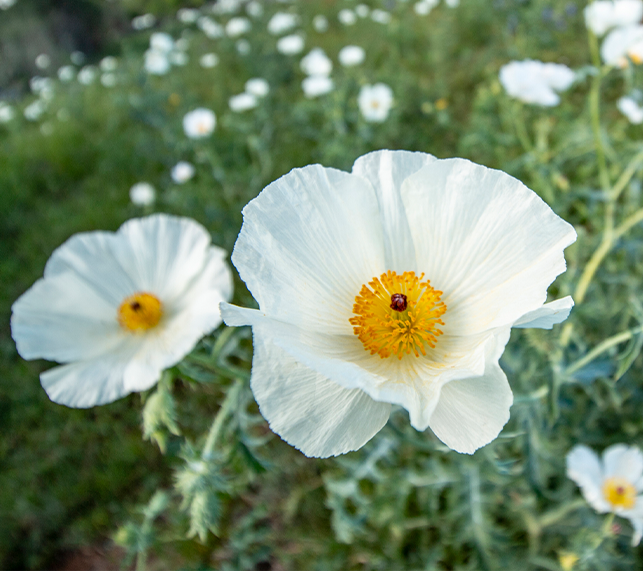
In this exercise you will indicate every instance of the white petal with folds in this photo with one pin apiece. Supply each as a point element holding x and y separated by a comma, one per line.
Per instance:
<point>548,315</point>
<point>623,461</point>
<point>309,411</point>
<point>584,467</point>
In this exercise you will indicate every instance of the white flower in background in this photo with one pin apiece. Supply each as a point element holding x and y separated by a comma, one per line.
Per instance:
<point>375,102</point>
<point>347,17</point>
<point>226,6</point>
<point>199,123</point>
<point>118,308</point>
<point>397,283</point>
<point>182,44</point>
<point>142,194</point>
<point>290,45</point>
<point>381,16</point>
<point>423,8</point>
<point>40,85</point>
<point>622,45</point>
<point>34,111</point>
<point>188,15</point>
<point>210,28</point>
<point>7,112</point>
<point>63,115</point>
<point>320,23</point>
<point>161,42</point>
<point>43,61</point>
<point>182,172</point>
<point>66,73</point>
<point>316,62</point>
<point>6,4</point>
<point>242,102</point>
<point>143,22</point>
<point>350,56</point>
<point>109,63</point>
<point>178,57</point>
<point>317,85</point>
<point>108,80</point>
<point>536,82</point>
<point>47,129</point>
<point>254,9</point>
<point>282,22</point>
<point>613,485</point>
<point>257,86</point>
<point>209,60</point>
<point>603,15</point>
<point>87,75</point>
<point>242,46</point>
<point>77,57</point>
<point>452,3</point>
<point>362,10</point>
<point>631,109</point>
<point>237,27</point>
<point>156,62</point>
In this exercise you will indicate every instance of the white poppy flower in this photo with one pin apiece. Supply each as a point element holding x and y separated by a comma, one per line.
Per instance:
<point>631,109</point>
<point>375,102</point>
<point>77,57</point>
<point>397,283</point>
<point>347,17</point>
<point>109,63</point>
<point>87,75</point>
<point>156,62</point>
<point>43,61</point>
<point>242,102</point>
<point>237,27</point>
<point>350,56</point>
<point>290,45</point>
<point>613,485</point>
<point>317,85</point>
<point>362,10</point>
<point>282,22</point>
<point>6,4</point>
<point>161,42</point>
<point>7,112</point>
<point>316,62</point>
<point>108,80</point>
<point>118,308</point>
<point>178,57</point>
<point>226,6</point>
<point>199,123</point>
<point>452,3</point>
<point>621,44</point>
<point>142,194</point>
<point>381,16</point>
<point>143,22</point>
<point>182,172</point>
<point>320,23</point>
<point>254,9</point>
<point>257,86</point>
<point>188,15</point>
<point>34,111</point>
<point>66,73</point>
<point>603,15</point>
<point>536,82</point>
<point>209,60</point>
<point>210,28</point>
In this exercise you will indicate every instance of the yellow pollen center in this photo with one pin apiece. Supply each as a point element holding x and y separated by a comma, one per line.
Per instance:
<point>398,314</point>
<point>140,312</point>
<point>619,492</point>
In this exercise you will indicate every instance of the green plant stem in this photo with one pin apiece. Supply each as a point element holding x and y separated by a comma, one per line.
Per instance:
<point>225,410</point>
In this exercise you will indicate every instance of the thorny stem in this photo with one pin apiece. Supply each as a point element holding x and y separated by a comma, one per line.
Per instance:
<point>225,410</point>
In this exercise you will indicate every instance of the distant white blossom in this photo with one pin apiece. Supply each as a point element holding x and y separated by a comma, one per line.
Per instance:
<point>237,27</point>
<point>182,172</point>
<point>109,63</point>
<point>242,46</point>
<point>7,112</point>
<point>144,21</point>
<point>290,45</point>
<point>254,9</point>
<point>452,3</point>
<point>347,17</point>
<point>375,102</point>
<point>350,56</point>
<point>226,6</point>
<point>66,73</point>
<point>381,16</point>
<point>631,109</point>
<point>161,42</point>
<point>603,15</point>
<point>362,10</point>
<point>142,194</point>
<point>282,22</point>
<point>108,80</point>
<point>210,28</point>
<point>209,60</point>
<point>316,62</point>
<point>317,85</point>
<point>178,57</point>
<point>242,102</point>
<point>622,45</point>
<point>156,62</point>
<point>43,61</point>
<point>257,86</point>
<point>87,75</point>
<point>320,23</point>
<point>199,123</point>
<point>536,82</point>
<point>188,15</point>
<point>77,57</point>
<point>47,129</point>
<point>6,4</point>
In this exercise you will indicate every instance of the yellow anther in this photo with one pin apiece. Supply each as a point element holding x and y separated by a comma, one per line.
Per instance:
<point>140,312</point>
<point>619,492</point>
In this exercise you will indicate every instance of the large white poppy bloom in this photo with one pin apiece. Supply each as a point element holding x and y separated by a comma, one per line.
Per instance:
<point>118,308</point>
<point>603,15</point>
<point>613,485</point>
<point>536,82</point>
<point>622,45</point>
<point>397,283</point>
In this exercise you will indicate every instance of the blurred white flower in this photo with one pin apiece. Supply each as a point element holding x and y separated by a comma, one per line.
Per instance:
<point>226,6</point>
<point>182,172</point>
<point>188,15</point>
<point>6,4</point>
<point>397,283</point>
<point>39,85</point>
<point>603,15</point>
<point>242,46</point>
<point>209,60</point>
<point>143,22</point>
<point>142,194</point>
<point>452,3</point>
<point>423,8</point>
<point>622,45</point>
<point>118,308</point>
<point>109,63</point>
<point>381,16</point>
<point>87,75</point>
<point>350,56</point>
<point>108,80</point>
<point>375,102</point>
<point>210,28</point>
<point>66,73</point>
<point>613,485</point>
<point>199,123</point>
<point>290,45</point>
<point>257,86</point>
<point>63,115</point>
<point>254,9</point>
<point>237,27</point>
<point>182,44</point>
<point>178,57</point>
<point>282,22</point>
<point>362,10</point>
<point>317,85</point>
<point>161,42</point>
<point>242,102</point>
<point>631,109</point>
<point>47,129</point>
<point>7,112</point>
<point>347,17</point>
<point>43,61</point>
<point>316,62</point>
<point>77,58</point>
<point>536,82</point>
<point>156,62</point>
<point>320,23</point>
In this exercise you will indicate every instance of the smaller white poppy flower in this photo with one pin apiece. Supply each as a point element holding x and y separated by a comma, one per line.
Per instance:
<point>182,44</point>
<point>209,60</point>
<point>242,102</point>
<point>156,62</point>
<point>108,80</point>
<point>282,22</point>
<point>142,194</point>
<point>536,82</point>
<point>117,308</point>
<point>347,17</point>
<point>375,102</point>
<point>350,56</point>
<point>188,15</point>
<point>87,75</point>
<point>381,16</point>
<point>6,4</point>
<point>109,63</point>
<point>631,109</point>
<point>452,3</point>
<point>34,111</point>
<point>182,172</point>
<point>199,123</point>
<point>362,10</point>
<point>178,57</point>
<point>290,45</point>
<point>161,42</point>
<point>43,61</point>
<point>210,28</point>
<point>143,22</point>
<point>422,8</point>
<point>257,86</point>
<point>7,113</point>
<point>77,57</point>
<point>254,9</point>
<point>317,85</point>
<point>603,15</point>
<point>320,23</point>
<point>621,44</point>
<point>66,73</point>
<point>613,485</point>
<point>226,6</point>
<point>243,47</point>
<point>316,62</point>
<point>237,27</point>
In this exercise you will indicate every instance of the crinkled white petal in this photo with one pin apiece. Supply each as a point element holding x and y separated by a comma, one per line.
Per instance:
<point>548,315</point>
<point>309,411</point>
<point>386,171</point>
<point>615,46</point>
<point>485,240</point>
<point>584,468</point>
<point>623,461</point>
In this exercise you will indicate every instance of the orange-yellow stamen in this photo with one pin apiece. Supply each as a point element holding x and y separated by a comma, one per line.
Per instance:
<point>619,492</point>
<point>398,314</point>
<point>140,312</point>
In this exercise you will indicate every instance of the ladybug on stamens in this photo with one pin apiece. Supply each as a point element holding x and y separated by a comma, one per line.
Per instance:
<point>398,302</point>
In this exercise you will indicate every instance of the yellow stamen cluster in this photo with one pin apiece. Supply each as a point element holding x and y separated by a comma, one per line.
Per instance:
<point>140,312</point>
<point>398,314</point>
<point>619,492</point>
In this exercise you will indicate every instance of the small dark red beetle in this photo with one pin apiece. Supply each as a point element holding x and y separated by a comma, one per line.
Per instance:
<point>398,302</point>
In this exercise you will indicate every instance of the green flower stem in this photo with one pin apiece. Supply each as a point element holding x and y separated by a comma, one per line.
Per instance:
<point>225,410</point>
<point>554,516</point>
<point>521,128</point>
<point>626,176</point>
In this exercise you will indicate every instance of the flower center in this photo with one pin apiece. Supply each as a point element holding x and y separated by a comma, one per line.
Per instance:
<point>398,314</point>
<point>140,312</point>
<point>619,492</point>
